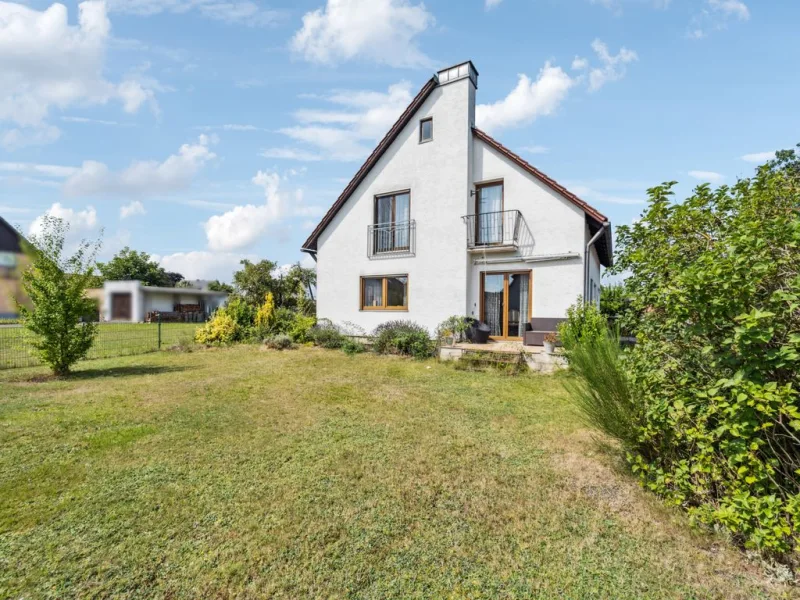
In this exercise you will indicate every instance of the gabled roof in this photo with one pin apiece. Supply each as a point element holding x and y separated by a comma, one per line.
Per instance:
<point>594,218</point>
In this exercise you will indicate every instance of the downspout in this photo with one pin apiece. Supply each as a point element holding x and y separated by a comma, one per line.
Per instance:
<point>591,243</point>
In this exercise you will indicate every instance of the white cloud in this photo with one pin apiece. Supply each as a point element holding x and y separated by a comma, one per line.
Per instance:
<point>80,221</point>
<point>579,63</point>
<point>46,63</point>
<point>613,66</point>
<point>143,178</point>
<point>758,157</point>
<point>716,15</point>
<point>490,4</point>
<point>710,176</point>
<point>203,264</point>
<point>230,127</point>
<point>528,101</point>
<point>610,191</point>
<point>131,210</point>
<point>242,226</point>
<point>381,31</point>
<point>238,12</point>
<point>55,171</point>
<point>348,132</point>
<point>86,120</point>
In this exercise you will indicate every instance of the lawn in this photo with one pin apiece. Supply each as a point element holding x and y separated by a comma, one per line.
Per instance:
<point>243,473</point>
<point>113,339</point>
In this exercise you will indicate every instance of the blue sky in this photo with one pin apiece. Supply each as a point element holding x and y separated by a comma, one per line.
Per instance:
<point>205,131</point>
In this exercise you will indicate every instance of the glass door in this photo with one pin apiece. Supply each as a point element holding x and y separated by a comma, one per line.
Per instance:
<point>506,303</point>
<point>489,214</point>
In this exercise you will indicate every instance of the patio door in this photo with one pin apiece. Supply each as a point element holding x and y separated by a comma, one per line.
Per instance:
<point>489,214</point>
<point>506,300</point>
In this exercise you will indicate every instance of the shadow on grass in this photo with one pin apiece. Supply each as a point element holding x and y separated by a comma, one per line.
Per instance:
<point>85,374</point>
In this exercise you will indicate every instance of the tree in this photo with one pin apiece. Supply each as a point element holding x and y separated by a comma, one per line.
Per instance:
<point>715,284</point>
<point>129,264</point>
<point>56,286</point>
<point>173,278</point>
<point>218,286</point>
<point>255,280</point>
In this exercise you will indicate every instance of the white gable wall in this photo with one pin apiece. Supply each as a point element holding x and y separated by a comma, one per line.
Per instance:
<point>437,173</point>
<point>554,226</point>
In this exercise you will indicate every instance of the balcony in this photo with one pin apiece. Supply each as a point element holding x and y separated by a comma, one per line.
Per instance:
<point>493,231</point>
<point>387,240</point>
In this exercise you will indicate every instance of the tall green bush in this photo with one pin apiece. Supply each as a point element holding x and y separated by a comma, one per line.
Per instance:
<point>403,337</point>
<point>715,281</point>
<point>56,285</point>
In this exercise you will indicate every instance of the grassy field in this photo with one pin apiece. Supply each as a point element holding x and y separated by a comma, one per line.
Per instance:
<point>243,473</point>
<point>113,339</point>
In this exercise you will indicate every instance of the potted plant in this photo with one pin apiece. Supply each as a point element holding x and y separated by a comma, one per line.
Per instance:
<point>550,341</point>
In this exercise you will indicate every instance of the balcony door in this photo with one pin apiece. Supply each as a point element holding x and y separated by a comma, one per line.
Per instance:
<point>489,213</point>
<point>506,300</point>
<point>392,222</point>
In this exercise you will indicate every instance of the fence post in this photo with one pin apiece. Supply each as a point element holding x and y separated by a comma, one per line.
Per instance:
<point>159,331</point>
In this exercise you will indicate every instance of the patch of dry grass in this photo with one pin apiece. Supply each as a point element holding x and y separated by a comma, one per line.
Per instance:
<point>307,473</point>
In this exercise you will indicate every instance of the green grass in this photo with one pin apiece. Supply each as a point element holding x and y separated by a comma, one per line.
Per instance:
<point>113,339</point>
<point>243,473</point>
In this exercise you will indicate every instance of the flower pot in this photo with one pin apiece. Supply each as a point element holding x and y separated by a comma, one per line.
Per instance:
<point>549,347</point>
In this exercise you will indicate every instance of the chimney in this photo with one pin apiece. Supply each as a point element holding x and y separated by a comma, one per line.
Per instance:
<point>456,72</point>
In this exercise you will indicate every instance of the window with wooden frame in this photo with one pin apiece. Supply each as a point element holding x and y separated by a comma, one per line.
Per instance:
<point>426,130</point>
<point>384,292</point>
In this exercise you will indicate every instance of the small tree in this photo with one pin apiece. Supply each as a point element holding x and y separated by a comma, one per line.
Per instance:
<point>56,287</point>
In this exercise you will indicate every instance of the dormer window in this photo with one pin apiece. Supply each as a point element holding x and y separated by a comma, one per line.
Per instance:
<point>426,130</point>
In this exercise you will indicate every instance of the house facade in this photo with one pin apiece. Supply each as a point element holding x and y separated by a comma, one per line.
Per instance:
<point>443,220</point>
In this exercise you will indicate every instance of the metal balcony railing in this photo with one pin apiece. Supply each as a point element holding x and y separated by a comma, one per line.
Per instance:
<point>391,239</point>
<point>500,228</point>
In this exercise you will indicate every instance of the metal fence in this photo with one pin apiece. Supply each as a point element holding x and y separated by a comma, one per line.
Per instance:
<point>113,339</point>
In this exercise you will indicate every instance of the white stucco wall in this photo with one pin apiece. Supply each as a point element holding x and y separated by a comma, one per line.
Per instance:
<point>553,225</point>
<point>437,175</point>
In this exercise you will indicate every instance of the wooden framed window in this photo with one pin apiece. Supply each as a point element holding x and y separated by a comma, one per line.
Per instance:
<point>426,130</point>
<point>384,292</point>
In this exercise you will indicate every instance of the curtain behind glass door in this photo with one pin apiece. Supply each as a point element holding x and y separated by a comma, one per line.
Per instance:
<point>493,302</point>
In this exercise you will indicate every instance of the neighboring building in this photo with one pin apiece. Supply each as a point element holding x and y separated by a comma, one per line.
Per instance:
<point>134,302</point>
<point>443,220</point>
<point>12,261</point>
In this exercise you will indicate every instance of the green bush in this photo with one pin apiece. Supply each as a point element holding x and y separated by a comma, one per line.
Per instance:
<point>243,315</point>
<point>716,368</point>
<point>280,341</point>
<point>352,347</point>
<point>585,325</point>
<point>326,335</point>
<point>403,337</point>
<point>300,328</point>
<point>221,330</point>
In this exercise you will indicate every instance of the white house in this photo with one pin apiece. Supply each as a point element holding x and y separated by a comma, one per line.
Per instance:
<point>132,301</point>
<point>443,220</point>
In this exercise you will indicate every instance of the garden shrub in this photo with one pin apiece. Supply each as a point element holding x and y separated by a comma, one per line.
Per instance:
<point>300,328</point>
<point>266,312</point>
<point>326,335</point>
<point>584,325</point>
<point>243,315</point>
<point>403,337</point>
<point>452,329</point>
<point>352,347</point>
<point>221,330</point>
<point>280,341</point>
<point>715,282</point>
